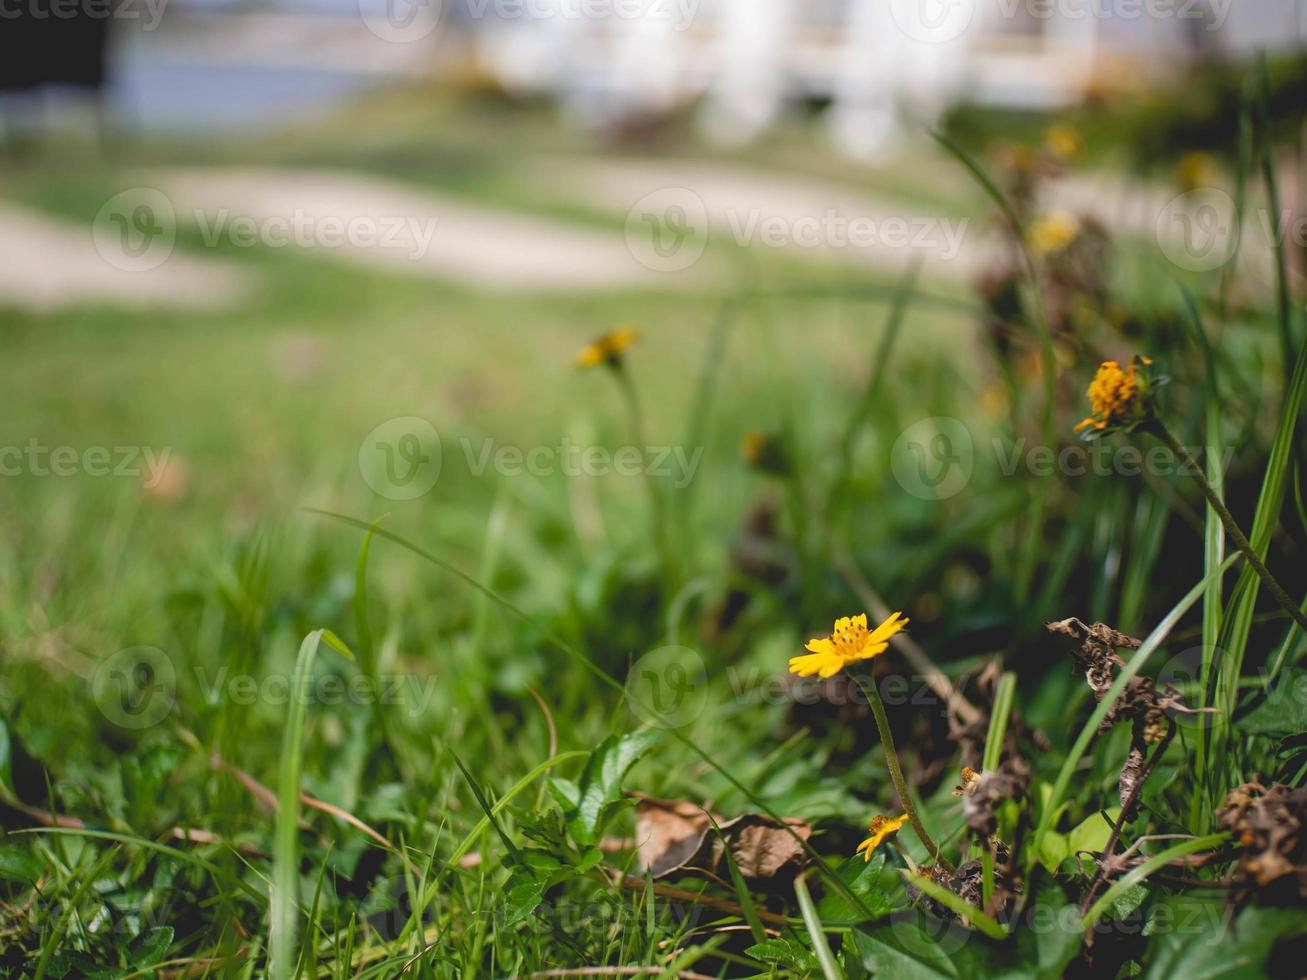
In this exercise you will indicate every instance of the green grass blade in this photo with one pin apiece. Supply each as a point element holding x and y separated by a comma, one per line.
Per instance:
<point>284,913</point>
<point>1213,555</point>
<point>955,903</point>
<point>1135,875</point>
<point>829,968</point>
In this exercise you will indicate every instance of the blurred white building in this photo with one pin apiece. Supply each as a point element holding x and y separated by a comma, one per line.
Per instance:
<point>885,65</point>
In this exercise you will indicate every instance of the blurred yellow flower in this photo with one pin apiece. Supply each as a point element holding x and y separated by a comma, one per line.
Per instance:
<point>1063,142</point>
<point>848,642</point>
<point>607,348</point>
<point>1113,395</point>
<point>879,828</point>
<point>765,452</point>
<point>753,445</point>
<point>1197,170</point>
<point>1053,232</point>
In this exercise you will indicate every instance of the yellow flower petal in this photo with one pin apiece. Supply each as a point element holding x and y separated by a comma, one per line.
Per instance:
<point>887,629</point>
<point>880,827</point>
<point>821,644</point>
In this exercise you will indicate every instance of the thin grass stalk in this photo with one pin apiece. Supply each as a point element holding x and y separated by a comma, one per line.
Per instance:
<point>657,511</point>
<point>283,914</point>
<point>1156,428</point>
<point>1213,555</point>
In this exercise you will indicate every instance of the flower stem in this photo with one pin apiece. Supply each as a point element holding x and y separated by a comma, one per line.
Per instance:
<point>872,695</point>
<point>656,512</point>
<point>1156,428</point>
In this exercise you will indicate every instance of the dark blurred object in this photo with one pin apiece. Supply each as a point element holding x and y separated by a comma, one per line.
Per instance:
<point>50,42</point>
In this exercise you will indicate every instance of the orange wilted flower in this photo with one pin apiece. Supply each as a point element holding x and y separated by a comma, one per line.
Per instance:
<point>1116,396</point>
<point>879,828</point>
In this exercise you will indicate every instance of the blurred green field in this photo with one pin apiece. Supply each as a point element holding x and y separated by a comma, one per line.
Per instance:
<point>228,564</point>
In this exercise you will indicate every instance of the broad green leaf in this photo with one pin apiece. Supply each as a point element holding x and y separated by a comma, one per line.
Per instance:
<point>1202,944</point>
<point>1284,709</point>
<point>149,948</point>
<point>597,794</point>
<point>784,952</point>
<point>863,879</point>
<point>19,864</point>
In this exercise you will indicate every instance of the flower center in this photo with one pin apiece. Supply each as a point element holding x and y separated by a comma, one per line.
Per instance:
<point>850,638</point>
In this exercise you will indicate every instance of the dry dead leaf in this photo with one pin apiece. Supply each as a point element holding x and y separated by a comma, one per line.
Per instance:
<point>677,836</point>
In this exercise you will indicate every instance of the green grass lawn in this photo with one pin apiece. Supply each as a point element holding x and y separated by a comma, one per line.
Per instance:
<point>515,649</point>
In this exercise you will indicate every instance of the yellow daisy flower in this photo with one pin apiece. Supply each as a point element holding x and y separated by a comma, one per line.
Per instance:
<point>1113,395</point>
<point>879,828</point>
<point>1053,233</point>
<point>849,641</point>
<point>607,348</point>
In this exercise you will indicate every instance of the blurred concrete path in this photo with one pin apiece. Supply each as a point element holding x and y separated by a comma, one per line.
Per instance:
<point>747,206</point>
<point>397,228</point>
<point>48,264</point>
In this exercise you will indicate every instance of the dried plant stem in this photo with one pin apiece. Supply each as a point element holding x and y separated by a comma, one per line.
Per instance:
<point>1156,428</point>
<point>1127,810</point>
<point>872,695</point>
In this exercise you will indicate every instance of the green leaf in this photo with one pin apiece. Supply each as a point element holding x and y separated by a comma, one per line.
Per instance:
<point>6,760</point>
<point>1210,948</point>
<point>591,802</point>
<point>1091,834</point>
<point>863,879</point>
<point>782,952</point>
<point>523,892</point>
<point>19,864</point>
<point>915,945</point>
<point>1284,709</point>
<point>1053,850</point>
<point>149,948</point>
<point>911,946</point>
